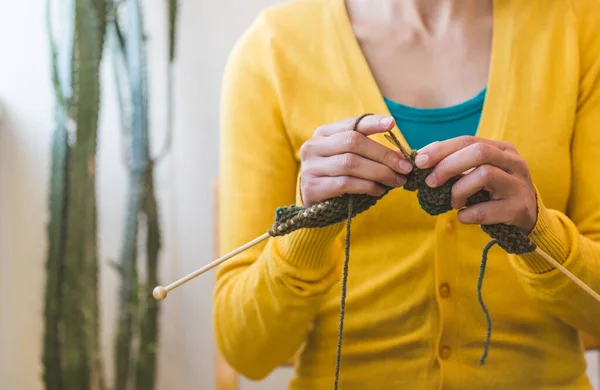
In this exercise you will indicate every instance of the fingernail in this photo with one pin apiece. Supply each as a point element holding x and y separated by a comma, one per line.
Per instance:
<point>400,180</point>
<point>459,205</point>
<point>421,160</point>
<point>405,166</point>
<point>431,180</point>
<point>386,121</point>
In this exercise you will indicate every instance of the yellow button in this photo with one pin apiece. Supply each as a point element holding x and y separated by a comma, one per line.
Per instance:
<point>445,352</point>
<point>444,290</point>
<point>449,226</point>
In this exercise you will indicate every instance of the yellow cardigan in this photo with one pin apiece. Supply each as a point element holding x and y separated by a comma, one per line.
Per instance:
<point>412,316</point>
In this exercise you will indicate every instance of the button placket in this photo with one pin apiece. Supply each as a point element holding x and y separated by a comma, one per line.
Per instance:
<point>446,268</point>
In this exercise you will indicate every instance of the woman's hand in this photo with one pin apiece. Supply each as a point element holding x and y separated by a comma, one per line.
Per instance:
<point>494,166</point>
<point>338,161</point>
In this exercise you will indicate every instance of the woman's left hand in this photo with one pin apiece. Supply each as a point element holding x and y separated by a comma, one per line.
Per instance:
<point>494,166</point>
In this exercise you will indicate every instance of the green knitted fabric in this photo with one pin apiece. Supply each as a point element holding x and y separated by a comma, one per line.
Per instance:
<point>328,212</point>
<point>434,201</point>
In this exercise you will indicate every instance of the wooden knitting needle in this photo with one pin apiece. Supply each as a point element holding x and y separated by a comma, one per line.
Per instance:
<point>159,293</point>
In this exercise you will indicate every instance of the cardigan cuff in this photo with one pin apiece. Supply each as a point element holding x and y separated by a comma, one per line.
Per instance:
<point>310,248</point>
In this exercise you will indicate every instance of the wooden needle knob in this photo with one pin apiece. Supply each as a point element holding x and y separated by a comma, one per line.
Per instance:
<point>159,293</point>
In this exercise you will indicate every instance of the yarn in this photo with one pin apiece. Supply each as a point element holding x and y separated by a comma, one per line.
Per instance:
<point>434,201</point>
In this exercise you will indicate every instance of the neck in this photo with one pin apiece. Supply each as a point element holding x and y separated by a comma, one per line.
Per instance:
<point>428,16</point>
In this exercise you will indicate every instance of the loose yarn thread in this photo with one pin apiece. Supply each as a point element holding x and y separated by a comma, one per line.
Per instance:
<point>434,201</point>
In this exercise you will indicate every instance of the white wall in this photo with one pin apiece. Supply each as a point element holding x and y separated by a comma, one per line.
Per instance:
<point>206,32</point>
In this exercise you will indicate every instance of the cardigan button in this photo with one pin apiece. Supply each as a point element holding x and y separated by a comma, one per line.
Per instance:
<point>449,226</point>
<point>445,352</point>
<point>444,290</point>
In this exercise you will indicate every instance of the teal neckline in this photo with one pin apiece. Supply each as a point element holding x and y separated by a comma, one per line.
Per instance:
<point>442,114</point>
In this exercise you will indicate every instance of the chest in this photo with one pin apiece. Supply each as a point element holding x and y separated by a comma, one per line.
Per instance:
<point>428,72</point>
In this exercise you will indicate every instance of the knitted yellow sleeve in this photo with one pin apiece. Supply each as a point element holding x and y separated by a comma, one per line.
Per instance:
<point>573,238</point>
<point>266,297</point>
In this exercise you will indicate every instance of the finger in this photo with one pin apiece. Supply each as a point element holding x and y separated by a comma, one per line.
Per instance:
<point>489,213</point>
<point>357,143</point>
<point>435,152</point>
<point>498,183</point>
<point>371,124</point>
<point>331,187</point>
<point>470,157</point>
<point>349,164</point>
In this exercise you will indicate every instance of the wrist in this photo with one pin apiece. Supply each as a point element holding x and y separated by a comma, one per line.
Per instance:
<point>550,235</point>
<point>530,212</point>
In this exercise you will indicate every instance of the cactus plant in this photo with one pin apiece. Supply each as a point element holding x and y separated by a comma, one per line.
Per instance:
<point>71,353</point>
<point>71,345</point>
<point>138,313</point>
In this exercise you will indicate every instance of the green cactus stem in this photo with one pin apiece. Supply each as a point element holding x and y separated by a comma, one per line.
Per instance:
<point>55,259</point>
<point>80,296</point>
<point>133,326</point>
<point>145,377</point>
<point>173,5</point>
<point>71,355</point>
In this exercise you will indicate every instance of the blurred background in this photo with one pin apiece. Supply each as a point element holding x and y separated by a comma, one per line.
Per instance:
<point>129,136</point>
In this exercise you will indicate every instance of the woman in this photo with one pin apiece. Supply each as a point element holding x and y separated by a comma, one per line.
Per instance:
<point>504,94</point>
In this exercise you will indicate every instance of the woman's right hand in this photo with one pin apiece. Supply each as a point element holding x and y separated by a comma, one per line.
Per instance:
<point>338,160</point>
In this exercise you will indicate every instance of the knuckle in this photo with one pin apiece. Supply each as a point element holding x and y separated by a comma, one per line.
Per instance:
<point>522,167</point>
<point>390,158</point>
<point>523,209</point>
<point>349,161</point>
<point>482,151</point>
<point>442,169</point>
<point>388,177</point>
<point>478,215</point>
<point>320,130</point>
<point>466,140</point>
<point>306,192</point>
<point>454,200</point>
<point>307,181</point>
<point>373,188</point>
<point>486,172</point>
<point>305,177</point>
<point>342,183</point>
<point>306,149</point>
<point>455,192</point>
<point>306,171</point>
<point>378,191</point>
<point>532,211</point>
<point>506,145</point>
<point>353,141</point>
<point>307,186</point>
<point>349,123</point>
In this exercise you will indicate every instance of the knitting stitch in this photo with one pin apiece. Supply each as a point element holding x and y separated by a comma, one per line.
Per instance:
<point>434,201</point>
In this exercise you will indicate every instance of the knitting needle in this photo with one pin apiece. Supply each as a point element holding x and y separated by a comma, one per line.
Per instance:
<point>568,274</point>
<point>159,293</point>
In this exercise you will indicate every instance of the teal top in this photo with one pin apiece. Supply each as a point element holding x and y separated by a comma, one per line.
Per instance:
<point>422,126</point>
